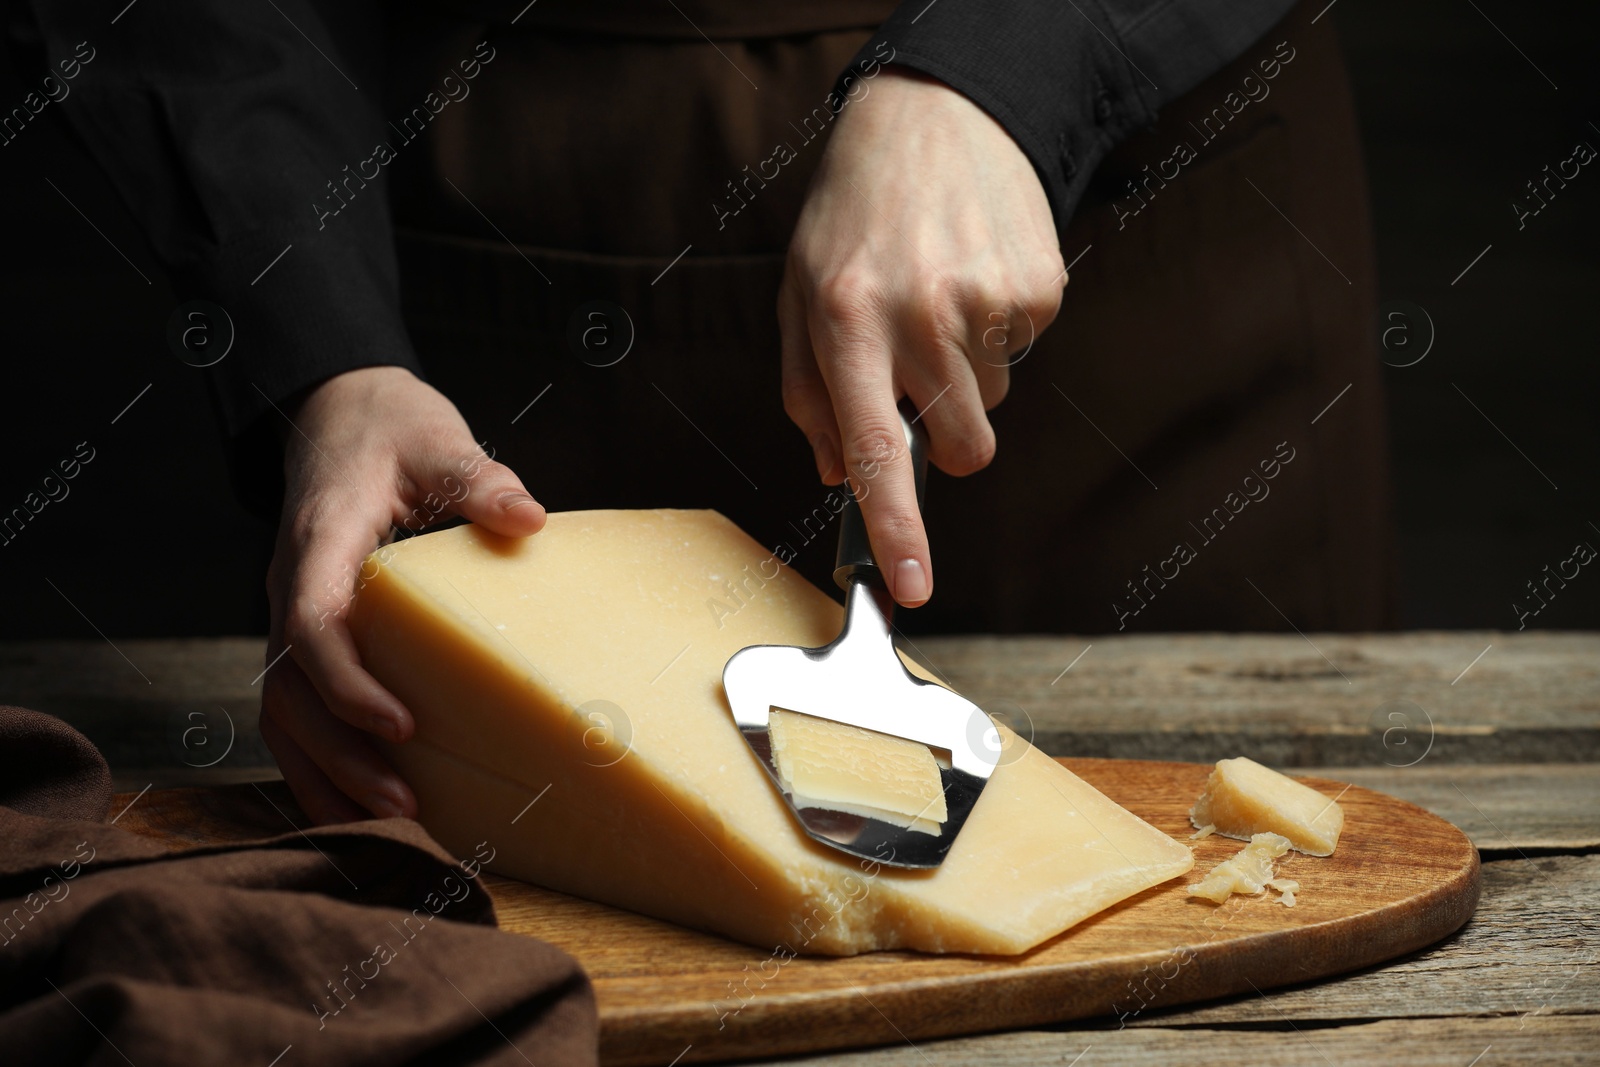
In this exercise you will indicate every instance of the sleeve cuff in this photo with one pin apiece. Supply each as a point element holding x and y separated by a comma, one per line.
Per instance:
<point>302,311</point>
<point>1061,91</point>
<point>1067,81</point>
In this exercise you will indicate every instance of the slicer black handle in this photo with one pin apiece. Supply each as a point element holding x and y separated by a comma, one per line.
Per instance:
<point>854,558</point>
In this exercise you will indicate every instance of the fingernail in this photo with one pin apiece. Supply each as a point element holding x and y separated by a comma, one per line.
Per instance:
<point>910,582</point>
<point>384,805</point>
<point>385,726</point>
<point>822,448</point>
<point>515,500</point>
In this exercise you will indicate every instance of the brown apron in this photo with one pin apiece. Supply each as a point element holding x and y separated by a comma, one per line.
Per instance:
<point>1164,459</point>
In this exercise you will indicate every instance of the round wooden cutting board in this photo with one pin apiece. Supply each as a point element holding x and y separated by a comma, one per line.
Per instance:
<point>1401,879</point>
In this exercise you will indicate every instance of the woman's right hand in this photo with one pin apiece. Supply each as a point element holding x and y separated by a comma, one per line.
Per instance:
<point>369,451</point>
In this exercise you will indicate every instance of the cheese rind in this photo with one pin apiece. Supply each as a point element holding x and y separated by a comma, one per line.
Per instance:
<point>1243,798</point>
<point>569,712</point>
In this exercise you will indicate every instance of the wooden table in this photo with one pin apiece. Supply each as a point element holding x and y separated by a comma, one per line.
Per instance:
<point>1499,733</point>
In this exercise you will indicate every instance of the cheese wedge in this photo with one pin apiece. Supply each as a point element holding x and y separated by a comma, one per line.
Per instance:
<point>833,765</point>
<point>1247,873</point>
<point>570,715</point>
<point>1243,798</point>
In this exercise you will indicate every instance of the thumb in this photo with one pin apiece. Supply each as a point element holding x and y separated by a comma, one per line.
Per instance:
<point>490,494</point>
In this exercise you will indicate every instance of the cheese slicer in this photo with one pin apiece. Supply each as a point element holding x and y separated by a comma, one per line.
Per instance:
<point>859,680</point>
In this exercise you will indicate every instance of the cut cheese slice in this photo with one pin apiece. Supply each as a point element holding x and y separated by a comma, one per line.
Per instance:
<point>1247,873</point>
<point>833,765</point>
<point>1243,798</point>
<point>567,690</point>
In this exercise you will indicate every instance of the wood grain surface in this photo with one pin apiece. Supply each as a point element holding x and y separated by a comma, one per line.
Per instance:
<point>1468,1042</point>
<point>1515,762</point>
<point>1529,952</point>
<point>1292,701</point>
<point>1532,697</point>
<point>1400,880</point>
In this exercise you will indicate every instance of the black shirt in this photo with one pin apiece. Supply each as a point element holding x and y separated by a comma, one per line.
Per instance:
<point>220,121</point>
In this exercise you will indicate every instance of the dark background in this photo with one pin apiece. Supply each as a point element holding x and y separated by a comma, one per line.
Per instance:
<point>1455,120</point>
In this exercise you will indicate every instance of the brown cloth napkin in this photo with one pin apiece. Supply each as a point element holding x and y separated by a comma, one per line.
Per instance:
<point>364,943</point>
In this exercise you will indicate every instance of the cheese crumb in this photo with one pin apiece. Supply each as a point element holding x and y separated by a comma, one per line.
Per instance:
<point>1247,873</point>
<point>1287,888</point>
<point>1243,798</point>
<point>1204,832</point>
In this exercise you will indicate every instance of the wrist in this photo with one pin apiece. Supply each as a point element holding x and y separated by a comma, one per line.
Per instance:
<point>339,391</point>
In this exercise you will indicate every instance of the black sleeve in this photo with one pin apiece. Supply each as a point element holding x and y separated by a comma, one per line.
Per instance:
<point>1068,79</point>
<point>234,131</point>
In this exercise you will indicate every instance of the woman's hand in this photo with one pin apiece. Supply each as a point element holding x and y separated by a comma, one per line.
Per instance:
<point>924,262</point>
<point>370,451</point>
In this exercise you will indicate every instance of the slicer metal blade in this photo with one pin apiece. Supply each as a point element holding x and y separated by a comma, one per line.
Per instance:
<point>859,679</point>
